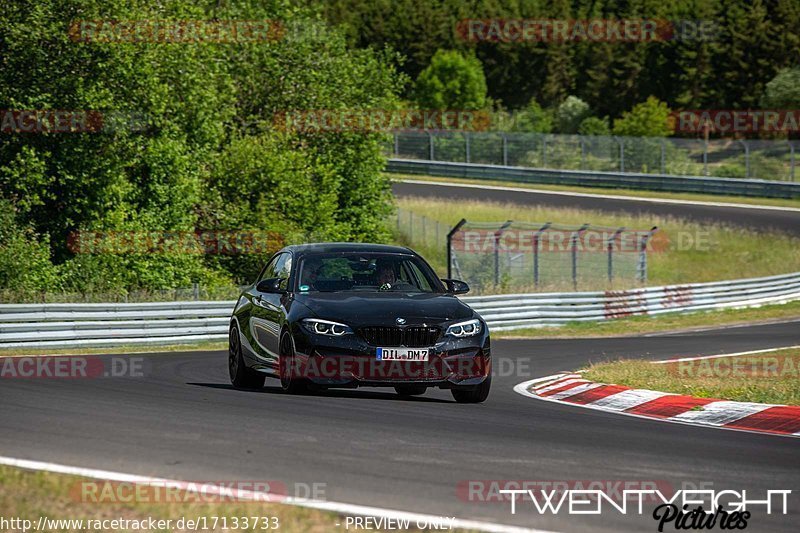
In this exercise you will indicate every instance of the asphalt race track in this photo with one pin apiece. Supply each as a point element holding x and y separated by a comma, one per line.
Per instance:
<point>183,420</point>
<point>759,219</point>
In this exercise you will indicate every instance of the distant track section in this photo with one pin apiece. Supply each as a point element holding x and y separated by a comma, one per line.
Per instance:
<point>592,178</point>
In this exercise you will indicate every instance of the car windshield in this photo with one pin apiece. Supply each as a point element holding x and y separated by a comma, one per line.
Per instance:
<point>365,272</point>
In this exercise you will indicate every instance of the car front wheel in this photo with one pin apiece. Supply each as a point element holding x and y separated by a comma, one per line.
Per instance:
<point>241,376</point>
<point>287,369</point>
<point>474,394</point>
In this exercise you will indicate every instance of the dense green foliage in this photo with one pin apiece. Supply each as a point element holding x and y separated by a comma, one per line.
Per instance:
<point>748,42</point>
<point>648,119</point>
<point>207,154</point>
<point>783,92</point>
<point>451,81</point>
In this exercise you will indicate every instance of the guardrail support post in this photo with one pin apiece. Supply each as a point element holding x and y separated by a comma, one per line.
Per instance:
<point>544,151</point>
<point>498,234</point>
<point>430,146</point>
<point>583,153</point>
<point>641,266</point>
<point>663,156</point>
<point>574,247</point>
<point>621,154</point>
<point>536,238</point>
<point>466,147</point>
<point>705,158</point>
<point>396,144</point>
<point>450,246</point>
<point>746,158</point>
<point>505,149</point>
<point>611,242</point>
<point>791,160</point>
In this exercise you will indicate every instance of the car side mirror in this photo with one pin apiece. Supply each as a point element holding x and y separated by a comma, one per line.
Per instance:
<point>456,286</point>
<point>270,286</point>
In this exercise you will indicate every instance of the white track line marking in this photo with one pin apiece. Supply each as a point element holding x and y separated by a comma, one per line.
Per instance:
<point>335,507</point>
<point>690,331</point>
<point>604,196</point>
<point>558,384</point>
<point>629,398</point>
<point>574,391</point>
<point>522,388</point>
<point>700,357</point>
<point>721,413</point>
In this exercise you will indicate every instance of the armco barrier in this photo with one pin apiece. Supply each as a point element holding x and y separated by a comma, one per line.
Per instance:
<point>591,178</point>
<point>85,325</point>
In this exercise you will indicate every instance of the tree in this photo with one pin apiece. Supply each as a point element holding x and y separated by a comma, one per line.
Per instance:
<point>532,118</point>
<point>651,118</point>
<point>783,91</point>
<point>207,130</point>
<point>570,114</point>
<point>451,81</point>
<point>594,126</point>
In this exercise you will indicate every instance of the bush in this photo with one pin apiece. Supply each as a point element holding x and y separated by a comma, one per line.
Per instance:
<point>783,91</point>
<point>570,114</point>
<point>531,118</point>
<point>451,81</point>
<point>594,126</point>
<point>208,156</point>
<point>648,119</point>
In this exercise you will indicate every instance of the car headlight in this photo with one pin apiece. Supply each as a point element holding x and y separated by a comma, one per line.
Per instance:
<point>465,329</point>
<point>326,327</point>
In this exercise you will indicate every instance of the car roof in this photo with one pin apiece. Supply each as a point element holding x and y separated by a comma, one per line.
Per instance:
<point>335,247</point>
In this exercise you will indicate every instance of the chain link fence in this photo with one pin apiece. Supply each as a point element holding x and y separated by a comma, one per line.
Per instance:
<point>729,158</point>
<point>529,257</point>
<point>500,257</point>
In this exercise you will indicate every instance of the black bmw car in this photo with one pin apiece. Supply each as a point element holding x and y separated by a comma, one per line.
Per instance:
<point>350,315</point>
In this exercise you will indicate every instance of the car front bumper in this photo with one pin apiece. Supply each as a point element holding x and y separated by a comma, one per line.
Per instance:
<point>349,361</point>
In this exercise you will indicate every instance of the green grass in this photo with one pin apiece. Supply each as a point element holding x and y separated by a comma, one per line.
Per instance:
<point>771,377</point>
<point>696,197</point>
<point>28,495</point>
<point>696,252</point>
<point>129,349</point>
<point>641,325</point>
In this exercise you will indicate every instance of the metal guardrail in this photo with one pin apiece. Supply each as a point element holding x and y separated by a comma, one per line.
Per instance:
<point>101,325</point>
<point>115,324</point>
<point>593,178</point>
<point>515,311</point>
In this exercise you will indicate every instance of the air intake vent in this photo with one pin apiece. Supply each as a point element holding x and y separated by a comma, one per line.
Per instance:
<point>411,336</point>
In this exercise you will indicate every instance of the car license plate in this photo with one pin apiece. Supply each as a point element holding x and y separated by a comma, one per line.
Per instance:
<point>402,354</point>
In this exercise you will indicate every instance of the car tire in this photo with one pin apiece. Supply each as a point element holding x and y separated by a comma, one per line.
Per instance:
<point>241,376</point>
<point>289,383</point>
<point>474,394</point>
<point>410,390</point>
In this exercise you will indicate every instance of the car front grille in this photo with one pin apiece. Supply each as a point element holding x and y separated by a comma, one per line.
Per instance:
<point>411,336</point>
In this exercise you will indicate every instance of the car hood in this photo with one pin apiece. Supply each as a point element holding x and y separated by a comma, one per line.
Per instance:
<point>383,308</point>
